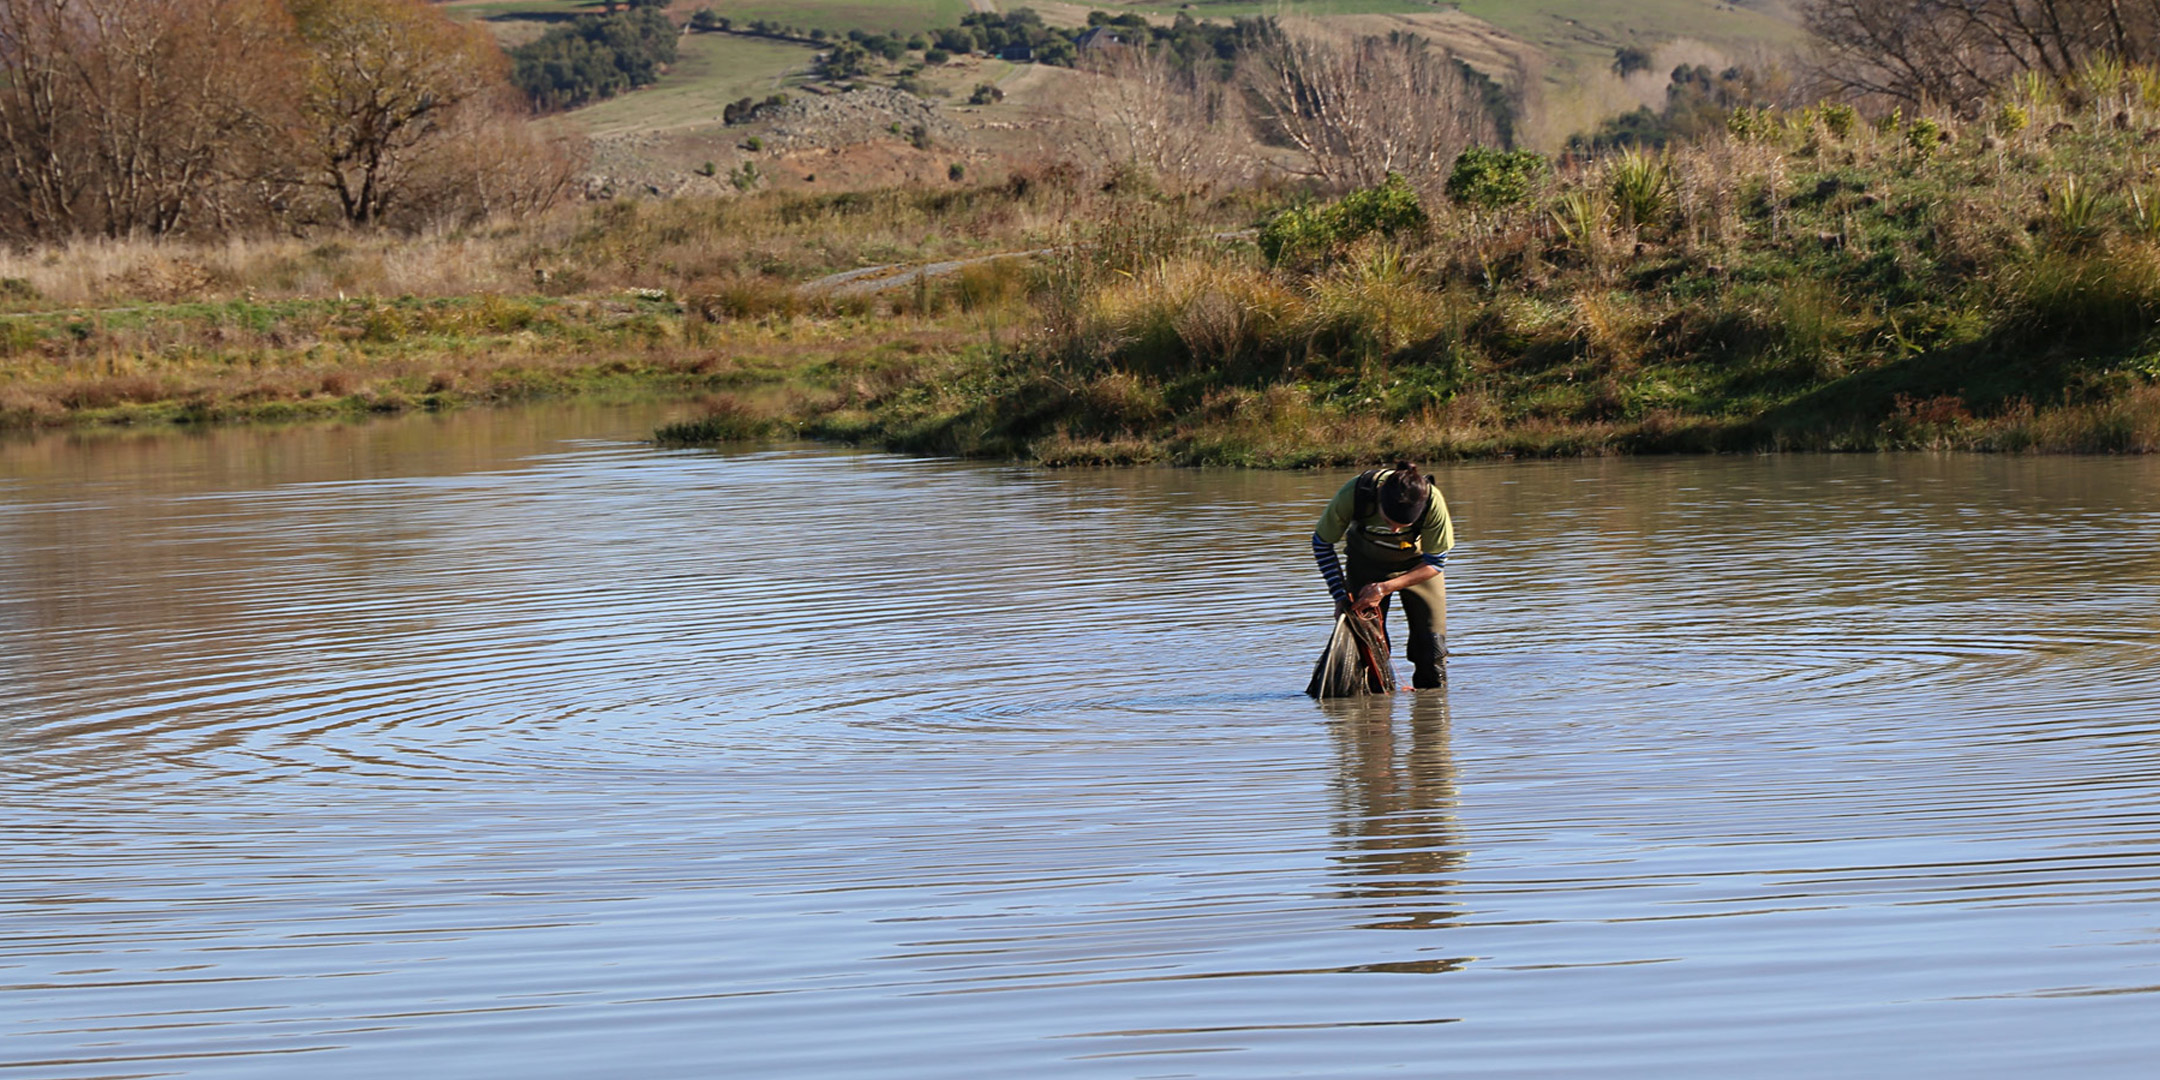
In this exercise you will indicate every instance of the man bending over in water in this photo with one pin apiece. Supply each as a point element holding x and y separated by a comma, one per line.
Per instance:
<point>1398,536</point>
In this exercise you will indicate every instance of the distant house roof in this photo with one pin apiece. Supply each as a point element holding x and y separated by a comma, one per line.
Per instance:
<point>1100,37</point>
<point>1016,52</point>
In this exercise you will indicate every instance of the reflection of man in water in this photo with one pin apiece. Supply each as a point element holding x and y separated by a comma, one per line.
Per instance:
<point>1405,851</point>
<point>1395,525</point>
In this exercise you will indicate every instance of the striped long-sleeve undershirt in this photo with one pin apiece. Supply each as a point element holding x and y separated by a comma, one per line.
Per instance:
<point>1331,570</point>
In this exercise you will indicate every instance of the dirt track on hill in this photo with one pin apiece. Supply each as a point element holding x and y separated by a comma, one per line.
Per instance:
<point>876,279</point>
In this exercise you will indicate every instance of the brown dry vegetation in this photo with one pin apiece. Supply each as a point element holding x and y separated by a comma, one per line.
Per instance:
<point>123,118</point>
<point>1807,279</point>
<point>1810,280</point>
<point>683,246</point>
<point>681,295</point>
<point>196,363</point>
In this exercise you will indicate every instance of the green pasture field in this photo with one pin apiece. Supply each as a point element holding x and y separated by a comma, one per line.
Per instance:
<point>710,70</point>
<point>1220,10</point>
<point>840,16</point>
<point>1574,31</point>
<point>1591,29</point>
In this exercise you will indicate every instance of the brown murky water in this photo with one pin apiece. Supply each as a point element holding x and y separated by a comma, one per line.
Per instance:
<point>500,744</point>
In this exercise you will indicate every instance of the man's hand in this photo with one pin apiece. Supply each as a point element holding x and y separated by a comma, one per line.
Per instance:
<point>1368,599</point>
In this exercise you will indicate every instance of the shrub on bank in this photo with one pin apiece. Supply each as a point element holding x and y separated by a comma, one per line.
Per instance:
<point>1298,233</point>
<point>1487,179</point>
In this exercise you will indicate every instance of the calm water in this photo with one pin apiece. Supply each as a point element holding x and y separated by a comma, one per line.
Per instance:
<point>502,745</point>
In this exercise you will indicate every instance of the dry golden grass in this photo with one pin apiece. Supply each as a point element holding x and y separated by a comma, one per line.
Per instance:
<point>680,246</point>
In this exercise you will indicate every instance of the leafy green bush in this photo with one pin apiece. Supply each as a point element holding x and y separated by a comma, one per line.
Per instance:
<point>1390,207</point>
<point>1925,135</point>
<point>1838,119</point>
<point>1386,209</point>
<point>1294,231</point>
<point>1748,124</point>
<point>1488,179</point>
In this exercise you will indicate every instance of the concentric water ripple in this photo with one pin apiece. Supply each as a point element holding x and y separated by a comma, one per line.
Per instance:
<point>505,745</point>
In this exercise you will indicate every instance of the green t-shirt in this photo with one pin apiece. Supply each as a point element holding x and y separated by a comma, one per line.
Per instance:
<point>1435,532</point>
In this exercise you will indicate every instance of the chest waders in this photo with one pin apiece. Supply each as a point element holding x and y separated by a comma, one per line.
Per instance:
<point>1378,555</point>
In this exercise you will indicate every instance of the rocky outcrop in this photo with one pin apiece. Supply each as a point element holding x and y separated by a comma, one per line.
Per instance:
<point>844,118</point>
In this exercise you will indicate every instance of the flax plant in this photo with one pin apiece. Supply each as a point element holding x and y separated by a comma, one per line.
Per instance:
<point>1640,184</point>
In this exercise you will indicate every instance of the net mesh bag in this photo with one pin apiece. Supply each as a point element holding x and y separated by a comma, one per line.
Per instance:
<point>1355,661</point>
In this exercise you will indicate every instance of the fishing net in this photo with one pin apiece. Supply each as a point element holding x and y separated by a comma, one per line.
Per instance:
<point>1356,660</point>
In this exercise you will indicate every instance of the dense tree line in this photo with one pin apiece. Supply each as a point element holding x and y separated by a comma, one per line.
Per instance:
<point>1190,41</point>
<point>1193,44</point>
<point>155,117</point>
<point>594,57</point>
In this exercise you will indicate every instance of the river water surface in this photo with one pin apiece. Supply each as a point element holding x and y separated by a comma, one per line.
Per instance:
<point>503,745</point>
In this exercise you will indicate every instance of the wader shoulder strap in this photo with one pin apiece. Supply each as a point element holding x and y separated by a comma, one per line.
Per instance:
<point>1367,497</point>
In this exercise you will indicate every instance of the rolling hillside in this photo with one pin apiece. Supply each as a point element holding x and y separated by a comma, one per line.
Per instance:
<point>1558,53</point>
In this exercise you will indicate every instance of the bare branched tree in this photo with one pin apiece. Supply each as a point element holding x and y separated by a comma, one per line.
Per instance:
<point>1957,52</point>
<point>489,161</point>
<point>41,119</point>
<point>188,99</point>
<point>1139,107</point>
<point>132,116</point>
<point>385,78</point>
<point>155,117</point>
<point>1364,108</point>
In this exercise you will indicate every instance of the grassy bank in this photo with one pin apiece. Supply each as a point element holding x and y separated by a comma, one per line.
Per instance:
<point>285,360</point>
<point>1812,280</point>
<point>689,296</point>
